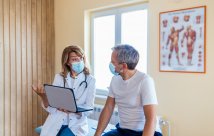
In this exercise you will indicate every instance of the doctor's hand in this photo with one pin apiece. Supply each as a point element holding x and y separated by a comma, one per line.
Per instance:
<point>66,111</point>
<point>63,110</point>
<point>39,89</point>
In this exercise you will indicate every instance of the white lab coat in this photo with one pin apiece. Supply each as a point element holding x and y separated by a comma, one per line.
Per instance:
<point>85,97</point>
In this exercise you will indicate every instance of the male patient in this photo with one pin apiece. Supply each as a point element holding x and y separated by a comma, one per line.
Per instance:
<point>134,94</point>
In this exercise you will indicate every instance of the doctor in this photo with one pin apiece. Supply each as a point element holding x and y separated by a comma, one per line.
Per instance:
<point>74,75</point>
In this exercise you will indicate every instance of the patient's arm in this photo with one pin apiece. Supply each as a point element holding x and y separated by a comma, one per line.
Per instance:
<point>150,115</point>
<point>105,115</point>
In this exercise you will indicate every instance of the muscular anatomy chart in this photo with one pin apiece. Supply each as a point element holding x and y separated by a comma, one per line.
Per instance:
<point>182,40</point>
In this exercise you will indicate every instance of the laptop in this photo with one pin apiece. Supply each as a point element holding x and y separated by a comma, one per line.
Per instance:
<point>64,98</point>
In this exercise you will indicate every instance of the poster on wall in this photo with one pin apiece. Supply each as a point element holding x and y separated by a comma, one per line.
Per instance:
<point>182,40</point>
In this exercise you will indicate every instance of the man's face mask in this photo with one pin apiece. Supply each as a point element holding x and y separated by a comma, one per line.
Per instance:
<point>112,69</point>
<point>78,66</point>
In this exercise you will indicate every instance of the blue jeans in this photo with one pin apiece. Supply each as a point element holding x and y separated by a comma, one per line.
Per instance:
<point>64,131</point>
<point>38,129</point>
<point>126,132</point>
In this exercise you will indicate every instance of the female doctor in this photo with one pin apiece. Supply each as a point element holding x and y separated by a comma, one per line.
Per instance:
<point>74,75</point>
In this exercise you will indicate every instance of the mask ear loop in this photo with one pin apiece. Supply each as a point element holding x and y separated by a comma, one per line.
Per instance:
<point>121,70</point>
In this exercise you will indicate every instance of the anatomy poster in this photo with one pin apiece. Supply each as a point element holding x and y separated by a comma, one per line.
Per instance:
<point>182,40</point>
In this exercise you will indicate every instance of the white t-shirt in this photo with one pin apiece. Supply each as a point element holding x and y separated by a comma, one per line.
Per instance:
<point>130,97</point>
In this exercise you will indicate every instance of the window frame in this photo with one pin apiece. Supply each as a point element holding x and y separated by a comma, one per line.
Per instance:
<point>117,11</point>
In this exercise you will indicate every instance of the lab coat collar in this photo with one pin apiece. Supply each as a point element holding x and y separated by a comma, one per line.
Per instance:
<point>69,78</point>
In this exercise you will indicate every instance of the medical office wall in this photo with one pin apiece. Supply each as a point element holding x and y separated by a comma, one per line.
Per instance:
<point>26,56</point>
<point>186,100</point>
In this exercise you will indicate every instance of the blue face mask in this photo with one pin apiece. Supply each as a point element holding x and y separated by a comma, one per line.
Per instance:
<point>112,69</point>
<point>78,66</point>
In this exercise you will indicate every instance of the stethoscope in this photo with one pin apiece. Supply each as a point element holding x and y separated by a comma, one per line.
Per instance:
<point>84,82</point>
<point>86,85</point>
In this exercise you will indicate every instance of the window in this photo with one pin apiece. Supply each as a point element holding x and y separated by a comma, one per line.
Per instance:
<point>111,27</point>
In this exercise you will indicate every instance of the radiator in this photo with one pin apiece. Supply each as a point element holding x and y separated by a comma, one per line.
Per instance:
<point>96,114</point>
<point>164,124</point>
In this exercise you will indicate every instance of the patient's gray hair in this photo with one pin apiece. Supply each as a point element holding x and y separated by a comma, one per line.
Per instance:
<point>127,54</point>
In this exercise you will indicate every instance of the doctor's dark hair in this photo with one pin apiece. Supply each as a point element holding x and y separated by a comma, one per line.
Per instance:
<point>65,57</point>
<point>127,54</point>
